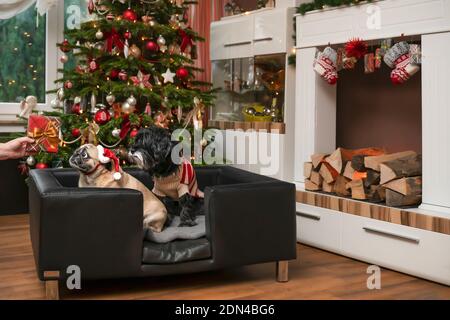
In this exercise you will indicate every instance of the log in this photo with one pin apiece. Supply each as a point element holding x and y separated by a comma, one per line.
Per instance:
<point>357,163</point>
<point>382,192</point>
<point>372,178</point>
<point>341,156</point>
<point>328,187</point>
<point>395,199</point>
<point>349,171</point>
<point>375,195</point>
<point>373,162</point>
<point>401,168</point>
<point>317,159</point>
<point>316,178</point>
<point>311,186</point>
<point>358,191</point>
<point>328,173</point>
<point>340,186</point>
<point>406,186</point>
<point>307,169</point>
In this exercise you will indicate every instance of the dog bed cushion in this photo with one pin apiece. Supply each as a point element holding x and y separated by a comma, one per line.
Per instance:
<point>176,251</point>
<point>174,232</point>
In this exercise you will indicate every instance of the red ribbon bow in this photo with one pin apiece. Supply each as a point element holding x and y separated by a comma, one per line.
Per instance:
<point>186,40</point>
<point>113,39</point>
<point>126,126</point>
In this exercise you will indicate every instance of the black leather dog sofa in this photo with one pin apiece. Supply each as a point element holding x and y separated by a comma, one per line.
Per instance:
<point>250,219</point>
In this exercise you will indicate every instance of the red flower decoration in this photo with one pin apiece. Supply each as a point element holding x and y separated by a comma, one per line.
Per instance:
<point>356,48</point>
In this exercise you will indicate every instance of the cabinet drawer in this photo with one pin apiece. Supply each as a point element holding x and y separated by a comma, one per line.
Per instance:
<point>318,227</point>
<point>270,33</point>
<point>240,44</point>
<point>421,253</point>
<point>219,37</point>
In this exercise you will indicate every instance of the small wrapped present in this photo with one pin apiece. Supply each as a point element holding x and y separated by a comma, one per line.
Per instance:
<point>45,131</point>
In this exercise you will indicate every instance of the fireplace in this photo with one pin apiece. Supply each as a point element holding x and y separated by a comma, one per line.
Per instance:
<point>362,111</point>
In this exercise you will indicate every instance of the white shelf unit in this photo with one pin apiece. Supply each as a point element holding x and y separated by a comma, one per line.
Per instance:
<point>259,33</point>
<point>315,131</point>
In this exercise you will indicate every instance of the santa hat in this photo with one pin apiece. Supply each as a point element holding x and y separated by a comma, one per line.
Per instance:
<point>106,156</point>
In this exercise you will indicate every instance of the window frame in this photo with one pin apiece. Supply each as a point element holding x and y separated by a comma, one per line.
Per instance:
<point>54,34</point>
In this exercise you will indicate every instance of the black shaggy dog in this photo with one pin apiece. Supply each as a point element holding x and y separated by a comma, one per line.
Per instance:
<point>175,183</point>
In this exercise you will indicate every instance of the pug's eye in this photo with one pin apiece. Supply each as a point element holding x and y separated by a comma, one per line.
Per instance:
<point>84,154</point>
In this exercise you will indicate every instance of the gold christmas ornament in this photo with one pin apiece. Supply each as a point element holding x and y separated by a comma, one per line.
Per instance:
<point>134,51</point>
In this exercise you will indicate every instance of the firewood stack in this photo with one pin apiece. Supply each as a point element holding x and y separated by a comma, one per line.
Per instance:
<point>368,174</point>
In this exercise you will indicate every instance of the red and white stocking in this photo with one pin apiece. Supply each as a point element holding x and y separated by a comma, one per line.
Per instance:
<point>325,65</point>
<point>404,69</point>
<point>399,58</point>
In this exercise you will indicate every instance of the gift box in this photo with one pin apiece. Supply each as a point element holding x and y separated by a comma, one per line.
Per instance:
<point>45,131</point>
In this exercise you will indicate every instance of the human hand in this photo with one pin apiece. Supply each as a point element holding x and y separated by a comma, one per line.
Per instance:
<point>15,149</point>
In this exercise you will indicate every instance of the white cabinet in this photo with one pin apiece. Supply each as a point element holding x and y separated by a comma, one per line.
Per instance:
<point>247,35</point>
<point>409,250</point>
<point>405,249</point>
<point>318,227</point>
<point>271,30</point>
<point>232,38</point>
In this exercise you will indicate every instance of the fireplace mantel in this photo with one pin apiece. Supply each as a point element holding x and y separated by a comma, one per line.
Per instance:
<point>316,100</point>
<point>396,17</point>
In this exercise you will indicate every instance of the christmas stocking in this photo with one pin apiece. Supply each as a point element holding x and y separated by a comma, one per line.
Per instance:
<point>325,65</point>
<point>399,58</point>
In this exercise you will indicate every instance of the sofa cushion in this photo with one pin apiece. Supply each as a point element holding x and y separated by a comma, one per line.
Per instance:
<point>176,251</point>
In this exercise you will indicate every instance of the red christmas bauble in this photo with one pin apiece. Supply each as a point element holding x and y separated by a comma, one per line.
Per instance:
<point>102,117</point>
<point>127,35</point>
<point>134,133</point>
<point>68,84</point>
<point>76,132</point>
<point>65,46</point>
<point>76,108</point>
<point>152,46</point>
<point>114,73</point>
<point>93,65</point>
<point>182,73</point>
<point>41,166</point>
<point>129,15</point>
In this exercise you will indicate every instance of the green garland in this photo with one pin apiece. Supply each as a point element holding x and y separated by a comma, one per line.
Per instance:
<point>320,4</point>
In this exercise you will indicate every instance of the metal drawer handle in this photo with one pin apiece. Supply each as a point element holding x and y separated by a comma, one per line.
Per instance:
<point>392,234</point>
<point>263,39</point>
<point>237,44</point>
<point>309,216</point>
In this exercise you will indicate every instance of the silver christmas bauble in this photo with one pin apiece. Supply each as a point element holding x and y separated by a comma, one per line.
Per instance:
<point>110,98</point>
<point>31,161</point>
<point>60,93</point>
<point>132,100</point>
<point>99,34</point>
<point>54,103</point>
<point>115,133</point>
<point>267,111</point>
<point>251,111</point>
<point>127,108</point>
<point>161,41</point>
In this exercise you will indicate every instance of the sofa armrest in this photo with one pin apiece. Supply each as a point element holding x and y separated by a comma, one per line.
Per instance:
<point>99,230</point>
<point>251,223</point>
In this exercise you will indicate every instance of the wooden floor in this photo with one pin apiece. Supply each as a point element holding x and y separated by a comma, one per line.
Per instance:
<point>315,275</point>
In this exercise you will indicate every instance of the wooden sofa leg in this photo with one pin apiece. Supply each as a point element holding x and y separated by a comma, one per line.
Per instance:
<point>51,285</point>
<point>282,271</point>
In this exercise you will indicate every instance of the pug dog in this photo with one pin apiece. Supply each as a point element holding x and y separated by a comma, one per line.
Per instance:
<point>90,161</point>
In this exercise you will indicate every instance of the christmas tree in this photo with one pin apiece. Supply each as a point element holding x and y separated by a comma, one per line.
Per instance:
<point>133,67</point>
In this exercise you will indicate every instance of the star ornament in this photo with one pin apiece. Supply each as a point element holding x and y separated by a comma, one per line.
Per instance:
<point>168,76</point>
<point>141,80</point>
